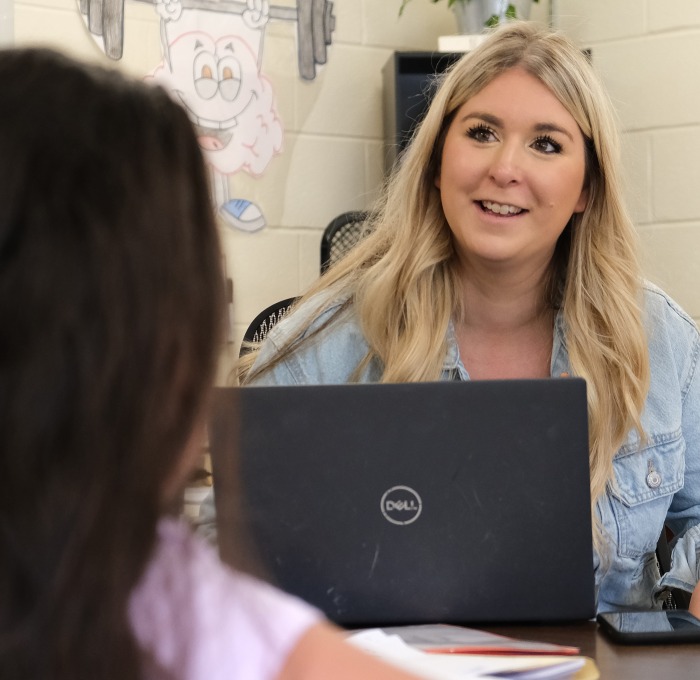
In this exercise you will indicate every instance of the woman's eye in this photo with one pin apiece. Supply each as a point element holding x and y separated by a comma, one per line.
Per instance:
<point>546,145</point>
<point>481,133</point>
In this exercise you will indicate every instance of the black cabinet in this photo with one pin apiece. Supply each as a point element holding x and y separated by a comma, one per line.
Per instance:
<point>409,82</point>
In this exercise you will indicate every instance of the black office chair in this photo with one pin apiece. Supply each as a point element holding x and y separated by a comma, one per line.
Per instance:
<point>261,325</point>
<point>341,235</point>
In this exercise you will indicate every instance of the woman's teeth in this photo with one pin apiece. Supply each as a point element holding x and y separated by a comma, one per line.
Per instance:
<point>500,208</point>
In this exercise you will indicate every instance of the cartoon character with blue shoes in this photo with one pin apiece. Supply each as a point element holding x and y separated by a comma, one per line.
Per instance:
<point>212,66</point>
<point>212,51</point>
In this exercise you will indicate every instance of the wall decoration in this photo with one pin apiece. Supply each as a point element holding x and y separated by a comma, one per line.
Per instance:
<point>212,52</point>
<point>211,65</point>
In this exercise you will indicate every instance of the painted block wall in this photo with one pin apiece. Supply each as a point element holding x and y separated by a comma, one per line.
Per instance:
<point>332,158</point>
<point>333,155</point>
<point>648,52</point>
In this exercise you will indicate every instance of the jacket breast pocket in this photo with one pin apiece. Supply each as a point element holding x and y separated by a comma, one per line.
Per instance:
<point>645,483</point>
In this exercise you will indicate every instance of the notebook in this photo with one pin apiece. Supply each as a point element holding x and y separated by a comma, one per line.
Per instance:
<point>394,504</point>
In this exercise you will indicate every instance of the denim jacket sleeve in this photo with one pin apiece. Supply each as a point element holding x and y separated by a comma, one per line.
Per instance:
<point>661,483</point>
<point>334,349</point>
<point>684,511</point>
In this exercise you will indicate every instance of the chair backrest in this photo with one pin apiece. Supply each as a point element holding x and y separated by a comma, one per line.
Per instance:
<point>261,325</point>
<point>341,235</point>
<point>675,598</point>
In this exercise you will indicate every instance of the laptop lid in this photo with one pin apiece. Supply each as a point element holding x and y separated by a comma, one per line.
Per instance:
<point>383,504</point>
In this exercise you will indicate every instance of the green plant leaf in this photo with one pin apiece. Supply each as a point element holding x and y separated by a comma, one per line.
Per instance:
<point>511,12</point>
<point>492,21</point>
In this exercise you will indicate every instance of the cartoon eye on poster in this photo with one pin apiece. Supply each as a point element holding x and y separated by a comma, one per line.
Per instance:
<point>212,51</point>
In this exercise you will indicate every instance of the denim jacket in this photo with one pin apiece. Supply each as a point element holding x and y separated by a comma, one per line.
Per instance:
<point>659,483</point>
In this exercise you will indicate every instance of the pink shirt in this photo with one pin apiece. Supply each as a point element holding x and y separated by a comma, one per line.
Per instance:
<point>203,621</point>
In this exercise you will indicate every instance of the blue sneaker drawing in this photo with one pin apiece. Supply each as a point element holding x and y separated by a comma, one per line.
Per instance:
<point>242,214</point>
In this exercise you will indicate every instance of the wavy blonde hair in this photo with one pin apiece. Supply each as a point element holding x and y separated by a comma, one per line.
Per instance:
<point>402,278</point>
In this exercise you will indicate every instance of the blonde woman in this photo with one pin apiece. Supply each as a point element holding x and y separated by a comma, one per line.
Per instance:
<point>502,249</point>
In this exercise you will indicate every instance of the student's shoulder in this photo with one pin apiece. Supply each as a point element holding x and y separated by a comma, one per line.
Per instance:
<point>191,610</point>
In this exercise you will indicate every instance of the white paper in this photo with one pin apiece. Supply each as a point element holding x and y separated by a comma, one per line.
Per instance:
<point>431,666</point>
<point>393,650</point>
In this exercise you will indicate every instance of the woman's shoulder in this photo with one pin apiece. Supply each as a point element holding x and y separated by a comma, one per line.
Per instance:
<point>672,335</point>
<point>314,313</point>
<point>199,618</point>
<point>662,311</point>
<point>320,342</point>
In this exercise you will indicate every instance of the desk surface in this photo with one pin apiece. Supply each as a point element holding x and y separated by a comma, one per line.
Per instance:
<point>618,662</point>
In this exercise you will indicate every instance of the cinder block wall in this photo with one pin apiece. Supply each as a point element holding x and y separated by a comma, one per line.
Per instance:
<point>648,53</point>
<point>332,158</point>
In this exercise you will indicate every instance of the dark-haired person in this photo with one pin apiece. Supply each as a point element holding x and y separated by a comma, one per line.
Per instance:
<point>111,318</point>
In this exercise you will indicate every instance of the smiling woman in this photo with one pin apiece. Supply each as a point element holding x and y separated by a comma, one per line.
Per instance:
<point>502,249</point>
<point>511,176</point>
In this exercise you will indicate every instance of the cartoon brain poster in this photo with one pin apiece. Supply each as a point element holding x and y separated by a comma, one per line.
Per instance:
<point>212,53</point>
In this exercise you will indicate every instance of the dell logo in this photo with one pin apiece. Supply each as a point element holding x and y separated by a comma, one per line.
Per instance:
<point>401,505</point>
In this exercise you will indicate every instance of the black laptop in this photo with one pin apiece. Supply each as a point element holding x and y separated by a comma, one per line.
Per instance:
<point>386,504</point>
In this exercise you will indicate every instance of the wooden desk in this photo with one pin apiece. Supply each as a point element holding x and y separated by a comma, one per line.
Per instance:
<point>616,662</point>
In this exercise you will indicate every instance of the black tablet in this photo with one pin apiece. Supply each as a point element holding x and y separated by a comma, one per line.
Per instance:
<point>653,627</point>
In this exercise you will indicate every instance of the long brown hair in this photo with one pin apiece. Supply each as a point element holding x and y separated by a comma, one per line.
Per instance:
<point>110,309</point>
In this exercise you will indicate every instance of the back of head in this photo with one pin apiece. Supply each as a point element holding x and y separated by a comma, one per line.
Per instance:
<point>110,305</point>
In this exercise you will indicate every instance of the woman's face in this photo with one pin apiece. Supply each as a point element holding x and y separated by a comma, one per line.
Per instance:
<point>512,173</point>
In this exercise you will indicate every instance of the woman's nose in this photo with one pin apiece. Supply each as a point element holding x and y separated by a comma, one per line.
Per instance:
<point>506,166</point>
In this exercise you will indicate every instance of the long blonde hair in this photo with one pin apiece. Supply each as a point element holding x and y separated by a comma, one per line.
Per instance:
<point>402,278</point>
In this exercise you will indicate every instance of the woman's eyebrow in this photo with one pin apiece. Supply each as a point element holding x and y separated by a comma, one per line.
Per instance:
<point>486,117</point>
<point>553,127</point>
